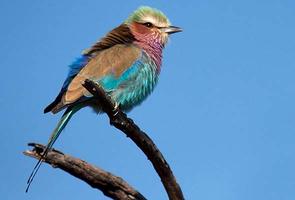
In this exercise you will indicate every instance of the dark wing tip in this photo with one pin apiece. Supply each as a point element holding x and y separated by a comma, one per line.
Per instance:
<point>49,107</point>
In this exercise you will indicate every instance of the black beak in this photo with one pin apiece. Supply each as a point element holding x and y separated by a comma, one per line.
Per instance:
<point>171,29</point>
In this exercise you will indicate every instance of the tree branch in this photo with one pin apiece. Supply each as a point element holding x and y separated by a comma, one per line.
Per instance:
<point>141,139</point>
<point>111,185</point>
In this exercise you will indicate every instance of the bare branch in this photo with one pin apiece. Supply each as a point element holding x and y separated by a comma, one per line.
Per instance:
<point>141,139</point>
<point>111,185</point>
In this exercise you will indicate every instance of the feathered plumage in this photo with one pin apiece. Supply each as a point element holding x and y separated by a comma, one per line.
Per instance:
<point>126,63</point>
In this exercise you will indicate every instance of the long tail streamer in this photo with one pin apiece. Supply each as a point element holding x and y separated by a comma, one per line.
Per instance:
<point>56,132</point>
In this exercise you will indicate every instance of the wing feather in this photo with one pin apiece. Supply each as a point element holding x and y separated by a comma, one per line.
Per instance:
<point>110,62</point>
<point>118,36</point>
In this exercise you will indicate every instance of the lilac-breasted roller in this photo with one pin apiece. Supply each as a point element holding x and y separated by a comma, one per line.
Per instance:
<point>126,63</point>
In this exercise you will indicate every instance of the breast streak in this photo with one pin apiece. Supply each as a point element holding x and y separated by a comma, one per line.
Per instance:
<point>114,60</point>
<point>139,86</point>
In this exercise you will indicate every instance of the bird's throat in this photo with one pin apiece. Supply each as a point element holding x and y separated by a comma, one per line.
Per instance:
<point>153,50</point>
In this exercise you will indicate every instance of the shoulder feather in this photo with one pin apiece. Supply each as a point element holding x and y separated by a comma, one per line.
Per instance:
<point>119,35</point>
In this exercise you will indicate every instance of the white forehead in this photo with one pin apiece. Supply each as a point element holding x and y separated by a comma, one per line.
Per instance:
<point>147,14</point>
<point>155,21</point>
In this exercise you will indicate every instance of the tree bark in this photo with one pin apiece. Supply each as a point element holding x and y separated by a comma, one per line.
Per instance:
<point>111,185</point>
<point>140,138</point>
<point>114,186</point>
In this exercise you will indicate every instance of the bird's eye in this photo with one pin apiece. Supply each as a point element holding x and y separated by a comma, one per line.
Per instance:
<point>148,24</point>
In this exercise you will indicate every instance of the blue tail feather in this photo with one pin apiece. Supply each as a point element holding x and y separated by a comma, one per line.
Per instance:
<point>56,132</point>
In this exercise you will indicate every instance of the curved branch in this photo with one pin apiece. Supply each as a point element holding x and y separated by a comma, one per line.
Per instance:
<point>141,139</point>
<point>111,185</point>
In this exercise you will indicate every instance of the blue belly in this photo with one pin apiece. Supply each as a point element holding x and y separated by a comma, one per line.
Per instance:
<point>134,85</point>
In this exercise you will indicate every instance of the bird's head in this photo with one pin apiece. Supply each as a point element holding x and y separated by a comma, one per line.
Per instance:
<point>150,25</point>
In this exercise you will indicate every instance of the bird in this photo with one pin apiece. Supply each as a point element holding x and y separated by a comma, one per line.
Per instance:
<point>126,63</point>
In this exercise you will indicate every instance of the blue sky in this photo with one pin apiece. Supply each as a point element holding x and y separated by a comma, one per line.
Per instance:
<point>222,113</point>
